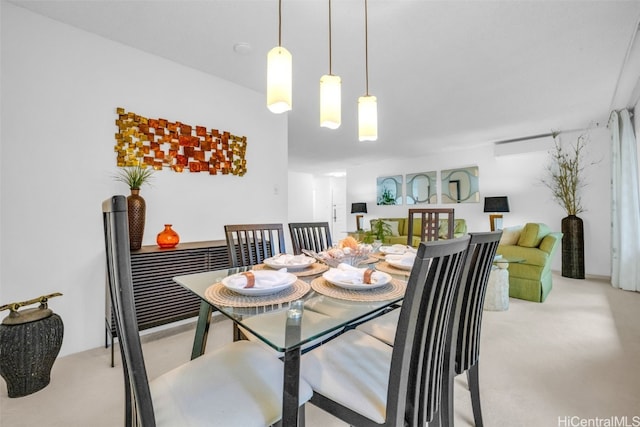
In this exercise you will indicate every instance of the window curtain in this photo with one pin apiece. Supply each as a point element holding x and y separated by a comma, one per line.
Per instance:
<point>625,204</point>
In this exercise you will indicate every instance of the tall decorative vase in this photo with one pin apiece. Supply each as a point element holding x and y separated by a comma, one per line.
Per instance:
<point>572,247</point>
<point>137,210</point>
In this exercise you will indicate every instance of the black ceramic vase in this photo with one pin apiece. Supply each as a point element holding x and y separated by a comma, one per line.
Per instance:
<point>572,247</point>
<point>136,207</point>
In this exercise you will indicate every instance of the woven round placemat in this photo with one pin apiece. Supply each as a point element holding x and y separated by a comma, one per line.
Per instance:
<point>394,289</point>
<point>312,270</point>
<point>388,268</point>
<point>220,295</point>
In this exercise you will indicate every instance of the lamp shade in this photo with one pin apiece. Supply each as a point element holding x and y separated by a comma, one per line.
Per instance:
<point>496,204</point>
<point>358,208</point>
<point>279,80</point>
<point>367,118</point>
<point>330,101</point>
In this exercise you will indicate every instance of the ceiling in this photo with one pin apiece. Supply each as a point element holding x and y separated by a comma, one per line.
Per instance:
<point>447,74</point>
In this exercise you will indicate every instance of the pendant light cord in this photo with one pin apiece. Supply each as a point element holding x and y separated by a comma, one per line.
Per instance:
<point>280,23</point>
<point>366,46</point>
<point>330,38</point>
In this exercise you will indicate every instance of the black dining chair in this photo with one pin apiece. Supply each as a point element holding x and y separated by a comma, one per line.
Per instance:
<point>365,382</point>
<point>314,236</point>
<point>463,342</point>
<point>250,244</point>
<point>466,322</point>
<point>239,384</point>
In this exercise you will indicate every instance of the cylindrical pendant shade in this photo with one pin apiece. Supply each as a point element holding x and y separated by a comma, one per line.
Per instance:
<point>330,101</point>
<point>279,80</point>
<point>367,118</point>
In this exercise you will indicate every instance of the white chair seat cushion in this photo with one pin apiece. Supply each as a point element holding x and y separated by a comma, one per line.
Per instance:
<point>353,370</point>
<point>383,327</point>
<point>238,385</point>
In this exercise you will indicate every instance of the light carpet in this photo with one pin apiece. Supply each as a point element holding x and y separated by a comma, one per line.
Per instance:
<point>571,360</point>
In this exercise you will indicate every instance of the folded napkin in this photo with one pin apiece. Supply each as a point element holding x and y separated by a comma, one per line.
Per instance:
<point>288,259</point>
<point>258,279</point>
<point>348,274</point>
<point>405,259</point>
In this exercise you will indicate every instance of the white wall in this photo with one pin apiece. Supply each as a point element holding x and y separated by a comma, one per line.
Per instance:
<point>517,176</point>
<point>60,90</point>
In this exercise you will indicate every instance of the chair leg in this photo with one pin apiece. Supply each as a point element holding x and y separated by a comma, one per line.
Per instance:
<point>474,388</point>
<point>446,402</point>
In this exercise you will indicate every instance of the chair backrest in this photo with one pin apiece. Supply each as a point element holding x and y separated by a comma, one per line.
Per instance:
<point>466,321</point>
<point>430,223</point>
<point>138,403</point>
<point>250,244</point>
<point>416,376</point>
<point>314,236</point>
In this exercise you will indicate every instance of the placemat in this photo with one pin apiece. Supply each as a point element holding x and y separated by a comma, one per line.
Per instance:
<point>388,268</point>
<point>394,289</point>
<point>220,295</point>
<point>312,270</point>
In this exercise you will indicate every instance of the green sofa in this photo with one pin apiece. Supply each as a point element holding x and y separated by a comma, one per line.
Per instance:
<point>535,243</point>
<point>400,231</point>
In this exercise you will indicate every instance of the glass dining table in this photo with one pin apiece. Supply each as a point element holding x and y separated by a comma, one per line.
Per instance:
<point>288,322</point>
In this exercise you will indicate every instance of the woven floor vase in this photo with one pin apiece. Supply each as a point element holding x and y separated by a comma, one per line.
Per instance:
<point>137,210</point>
<point>27,352</point>
<point>572,247</point>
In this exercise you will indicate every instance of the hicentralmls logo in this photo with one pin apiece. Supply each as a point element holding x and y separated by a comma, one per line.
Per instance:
<point>614,421</point>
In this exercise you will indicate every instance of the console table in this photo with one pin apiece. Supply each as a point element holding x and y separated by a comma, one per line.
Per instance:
<point>159,300</point>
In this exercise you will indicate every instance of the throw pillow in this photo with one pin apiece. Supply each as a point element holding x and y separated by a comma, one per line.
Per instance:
<point>443,229</point>
<point>510,235</point>
<point>393,225</point>
<point>532,234</point>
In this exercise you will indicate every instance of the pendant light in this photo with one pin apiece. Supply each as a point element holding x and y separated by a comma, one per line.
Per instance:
<point>330,98</point>
<point>279,74</point>
<point>367,104</point>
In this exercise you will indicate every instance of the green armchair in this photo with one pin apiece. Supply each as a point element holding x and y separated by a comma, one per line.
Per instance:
<point>535,243</point>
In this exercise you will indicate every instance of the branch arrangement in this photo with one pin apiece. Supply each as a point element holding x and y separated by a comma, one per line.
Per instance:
<point>565,175</point>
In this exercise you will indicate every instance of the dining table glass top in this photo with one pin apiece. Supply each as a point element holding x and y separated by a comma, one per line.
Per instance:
<point>312,309</point>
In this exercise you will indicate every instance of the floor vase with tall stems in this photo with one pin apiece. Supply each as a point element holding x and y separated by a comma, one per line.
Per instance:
<point>137,210</point>
<point>572,247</point>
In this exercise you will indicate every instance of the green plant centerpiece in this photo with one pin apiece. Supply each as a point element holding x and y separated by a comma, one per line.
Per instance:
<point>379,230</point>
<point>565,179</point>
<point>135,177</point>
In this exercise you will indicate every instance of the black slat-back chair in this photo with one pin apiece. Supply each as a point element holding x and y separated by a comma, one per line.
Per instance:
<point>198,393</point>
<point>365,382</point>
<point>430,223</point>
<point>314,236</point>
<point>464,331</point>
<point>250,244</point>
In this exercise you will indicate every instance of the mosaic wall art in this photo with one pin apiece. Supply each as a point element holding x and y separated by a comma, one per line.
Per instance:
<point>160,143</point>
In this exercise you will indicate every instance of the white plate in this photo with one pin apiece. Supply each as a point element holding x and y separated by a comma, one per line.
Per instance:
<point>285,280</point>
<point>399,265</point>
<point>303,261</point>
<point>382,279</point>
<point>396,250</point>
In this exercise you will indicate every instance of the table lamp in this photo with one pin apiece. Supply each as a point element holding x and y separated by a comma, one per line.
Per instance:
<point>359,208</point>
<point>494,205</point>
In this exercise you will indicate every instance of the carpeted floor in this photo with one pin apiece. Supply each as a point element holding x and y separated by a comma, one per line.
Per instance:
<point>572,360</point>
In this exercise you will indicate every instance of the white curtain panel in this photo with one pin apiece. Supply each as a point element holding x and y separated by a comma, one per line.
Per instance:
<point>625,204</point>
